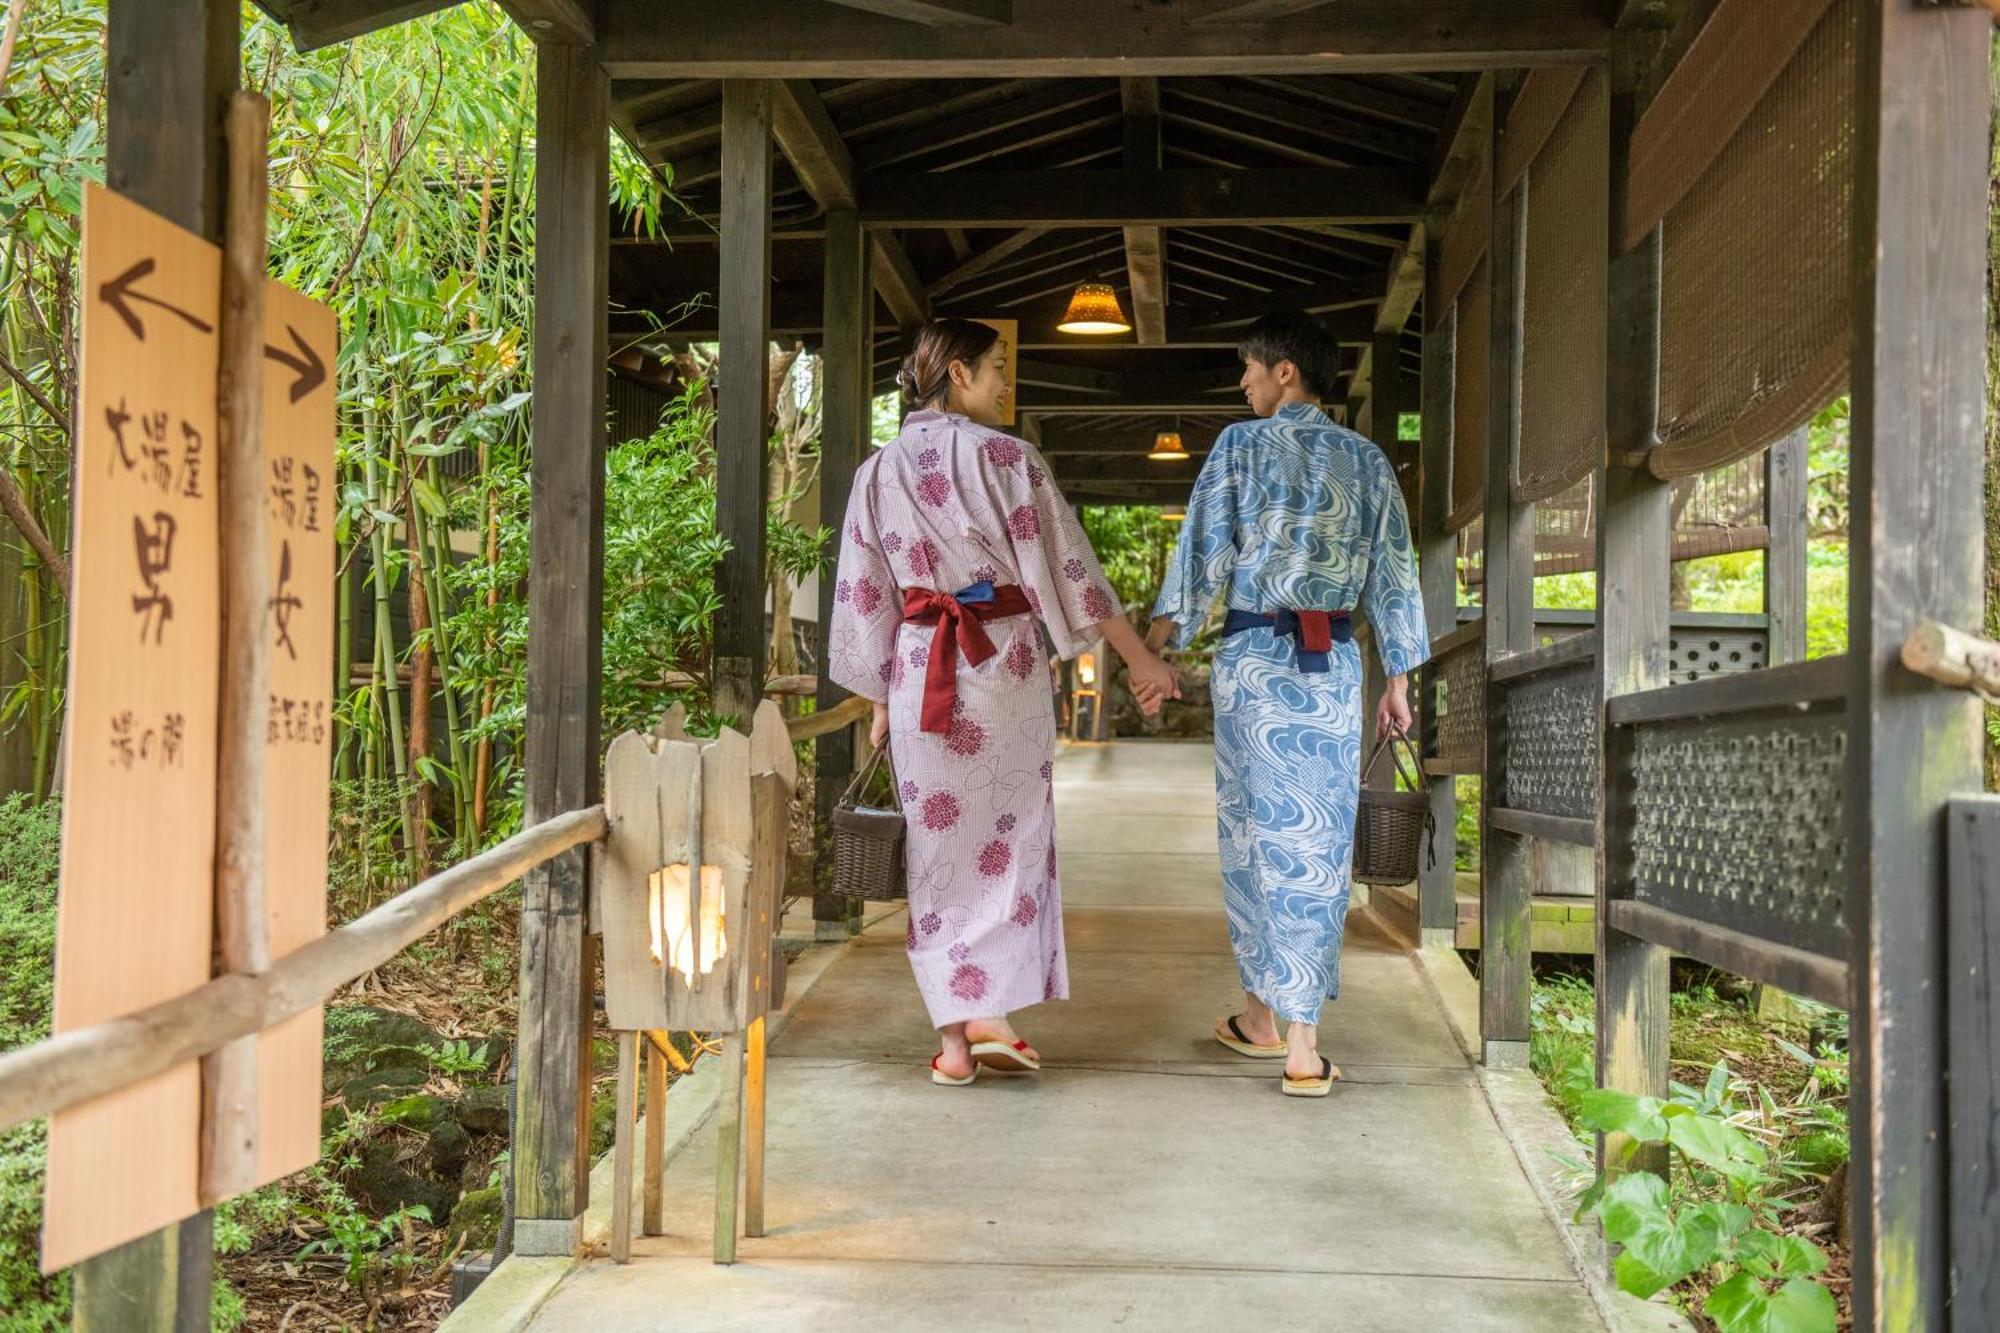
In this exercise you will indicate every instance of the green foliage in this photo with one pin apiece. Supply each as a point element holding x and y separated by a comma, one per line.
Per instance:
<point>1562,1047</point>
<point>371,1247</point>
<point>29,842</point>
<point>1466,835</point>
<point>1715,1213</point>
<point>1567,592</point>
<point>453,1058</point>
<point>1133,543</point>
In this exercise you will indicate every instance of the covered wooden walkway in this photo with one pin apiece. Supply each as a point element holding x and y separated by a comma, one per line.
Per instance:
<point>1147,1177</point>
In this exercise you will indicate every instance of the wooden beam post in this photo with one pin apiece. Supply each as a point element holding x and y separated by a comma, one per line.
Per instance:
<point>1505,908</point>
<point>169,71</point>
<point>1786,520</point>
<point>1921,117</point>
<point>1437,570</point>
<point>565,640</point>
<point>1634,540</point>
<point>1145,253</point>
<point>844,430</point>
<point>742,400</point>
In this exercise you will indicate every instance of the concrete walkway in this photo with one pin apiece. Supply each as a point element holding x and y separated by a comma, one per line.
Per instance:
<point>1147,1178</point>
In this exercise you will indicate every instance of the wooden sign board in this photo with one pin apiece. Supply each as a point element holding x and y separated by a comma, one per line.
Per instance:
<point>135,917</point>
<point>1010,345</point>
<point>301,336</point>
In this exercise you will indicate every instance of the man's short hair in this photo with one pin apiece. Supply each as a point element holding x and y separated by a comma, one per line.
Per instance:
<point>1295,336</point>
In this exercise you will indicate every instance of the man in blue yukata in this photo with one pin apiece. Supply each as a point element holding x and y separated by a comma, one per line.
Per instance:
<point>1301,524</point>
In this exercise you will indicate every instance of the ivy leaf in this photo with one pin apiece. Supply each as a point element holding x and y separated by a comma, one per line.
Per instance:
<point>1660,1248</point>
<point>1742,1305</point>
<point>1717,1144</point>
<point>1611,1111</point>
<point>1775,1257</point>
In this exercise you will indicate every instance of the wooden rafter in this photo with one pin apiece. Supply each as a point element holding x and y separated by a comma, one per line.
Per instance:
<point>317,23</point>
<point>563,22</point>
<point>1145,246</point>
<point>993,255</point>
<point>938,13</point>
<point>1243,11</point>
<point>1124,198</point>
<point>787,39</point>
<point>806,135</point>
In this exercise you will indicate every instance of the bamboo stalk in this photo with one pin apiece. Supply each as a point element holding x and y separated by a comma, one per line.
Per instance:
<point>75,1067</point>
<point>229,1075</point>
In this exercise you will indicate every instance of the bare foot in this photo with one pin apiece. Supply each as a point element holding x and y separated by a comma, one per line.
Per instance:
<point>1258,1029</point>
<point>955,1063</point>
<point>995,1029</point>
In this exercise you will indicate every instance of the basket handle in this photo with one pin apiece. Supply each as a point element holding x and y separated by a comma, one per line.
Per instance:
<point>1417,781</point>
<point>861,778</point>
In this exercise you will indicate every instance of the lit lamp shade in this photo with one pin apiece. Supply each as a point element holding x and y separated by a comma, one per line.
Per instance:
<point>1093,308</point>
<point>1086,669</point>
<point>1174,513</point>
<point>1167,447</point>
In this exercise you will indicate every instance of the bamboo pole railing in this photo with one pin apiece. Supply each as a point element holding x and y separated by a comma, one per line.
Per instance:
<point>75,1067</point>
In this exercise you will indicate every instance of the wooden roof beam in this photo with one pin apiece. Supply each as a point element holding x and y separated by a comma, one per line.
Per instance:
<point>557,22</point>
<point>651,39</point>
<point>1174,198</point>
<point>810,142</point>
<point>939,13</point>
<point>317,23</point>
<point>1145,247</point>
<point>993,255</point>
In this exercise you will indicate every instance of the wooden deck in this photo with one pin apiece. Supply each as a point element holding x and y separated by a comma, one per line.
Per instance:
<point>1142,1178</point>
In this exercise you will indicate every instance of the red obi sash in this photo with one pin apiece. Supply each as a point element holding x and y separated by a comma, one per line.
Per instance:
<point>957,616</point>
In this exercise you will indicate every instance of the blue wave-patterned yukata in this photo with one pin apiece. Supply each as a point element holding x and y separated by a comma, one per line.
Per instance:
<point>1292,512</point>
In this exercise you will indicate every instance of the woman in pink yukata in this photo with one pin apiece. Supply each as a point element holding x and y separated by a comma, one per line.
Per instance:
<point>956,543</point>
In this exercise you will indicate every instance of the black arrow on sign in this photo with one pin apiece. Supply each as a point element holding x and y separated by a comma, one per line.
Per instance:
<point>118,294</point>
<point>311,371</point>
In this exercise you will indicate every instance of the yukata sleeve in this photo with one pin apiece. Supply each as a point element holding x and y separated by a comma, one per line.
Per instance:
<point>861,633</point>
<point>1058,570</point>
<point>1392,597</point>
<point>1205,556</point>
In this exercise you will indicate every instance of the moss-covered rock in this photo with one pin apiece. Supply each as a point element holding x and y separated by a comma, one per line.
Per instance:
<point>381,1085</point>
<point>384,1182</point>
<point>603,1121</point>
<point>361,1039</point>
<point>475,1220</point>
<point>483,1110</point>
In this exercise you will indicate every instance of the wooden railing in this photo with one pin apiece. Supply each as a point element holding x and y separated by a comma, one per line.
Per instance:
<point>74,1067</point>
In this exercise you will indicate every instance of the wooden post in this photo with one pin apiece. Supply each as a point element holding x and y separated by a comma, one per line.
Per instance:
<point>1973,1003</point>
<point>1634,540</point>
<point>565,618</point>
<point>753,1130</point>
<point>1437,569</point>
<point>169,71</point>
<point>1921,120</point>
<point>229,1077</point>
<point>653,1222</point>
<point>729,1147</point>
<point>742,399</point>
<point>624,1112</point>
<point>844,432</point>
<point>1385,406</point>
<point>1505,981</point>
<point>1785,553</point>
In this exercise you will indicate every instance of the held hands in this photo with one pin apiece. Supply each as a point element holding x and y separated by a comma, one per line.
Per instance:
<point>1153,683</point>
<point>1392,715</point>
<point>878,726</point>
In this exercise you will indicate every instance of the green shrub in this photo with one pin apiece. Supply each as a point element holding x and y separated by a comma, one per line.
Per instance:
<point>30,835</point>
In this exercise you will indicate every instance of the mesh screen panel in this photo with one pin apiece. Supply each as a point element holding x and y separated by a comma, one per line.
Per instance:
<point>1754,292</point>
<point>1468,405</point>
<point>1562,343</point>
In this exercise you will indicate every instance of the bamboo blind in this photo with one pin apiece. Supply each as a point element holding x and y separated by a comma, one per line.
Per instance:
<point>1562,339</point>
<point>1754,292</point>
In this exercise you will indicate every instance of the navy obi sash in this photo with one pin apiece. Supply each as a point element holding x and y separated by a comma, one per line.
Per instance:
<point>1313,633</point>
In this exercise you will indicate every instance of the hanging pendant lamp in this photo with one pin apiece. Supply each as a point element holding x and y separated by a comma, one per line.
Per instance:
<point>1167,448</point>
<point>1094,308</point>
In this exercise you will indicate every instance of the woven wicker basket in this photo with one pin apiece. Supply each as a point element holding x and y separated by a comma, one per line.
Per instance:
<point>868,841</point>
<point>1390,826</point>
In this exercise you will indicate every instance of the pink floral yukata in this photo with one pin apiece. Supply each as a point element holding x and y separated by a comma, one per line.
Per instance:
<point>946,505</point>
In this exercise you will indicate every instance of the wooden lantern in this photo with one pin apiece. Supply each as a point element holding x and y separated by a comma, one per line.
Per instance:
<point>694,950</point>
